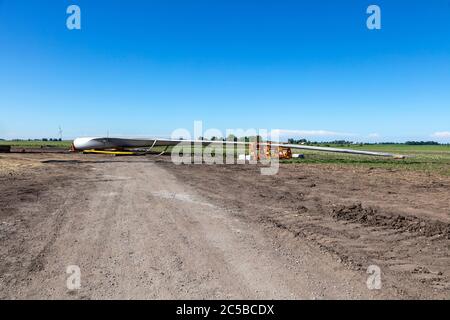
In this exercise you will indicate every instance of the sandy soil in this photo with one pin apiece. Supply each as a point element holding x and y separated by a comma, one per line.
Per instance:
<point>141,227</point>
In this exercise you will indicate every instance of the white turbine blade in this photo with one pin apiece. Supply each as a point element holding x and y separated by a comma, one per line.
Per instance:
<point>111,143</point>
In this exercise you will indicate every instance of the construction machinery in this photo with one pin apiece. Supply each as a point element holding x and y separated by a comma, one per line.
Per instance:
<point>260,151</point>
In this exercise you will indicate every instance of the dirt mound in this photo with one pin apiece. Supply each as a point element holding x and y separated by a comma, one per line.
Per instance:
<point>372,217</point>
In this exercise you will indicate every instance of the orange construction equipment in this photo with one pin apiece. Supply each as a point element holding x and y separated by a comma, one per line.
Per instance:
<point>265,151</point>
<point>284,153</point>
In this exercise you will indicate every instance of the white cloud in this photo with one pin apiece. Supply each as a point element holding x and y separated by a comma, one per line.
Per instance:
<point>441,134</point>
<point>311,133</point>
<point>374,135</point>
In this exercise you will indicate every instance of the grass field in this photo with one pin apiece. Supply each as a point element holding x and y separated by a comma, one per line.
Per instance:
<point>432,158</point>
<point>37,144</point>
<point>425,158</point>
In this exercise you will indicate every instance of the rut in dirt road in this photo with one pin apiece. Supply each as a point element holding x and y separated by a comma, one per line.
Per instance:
<point>136,231</point>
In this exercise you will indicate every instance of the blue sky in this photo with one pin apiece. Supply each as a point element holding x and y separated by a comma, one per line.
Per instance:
<point>145,68</point>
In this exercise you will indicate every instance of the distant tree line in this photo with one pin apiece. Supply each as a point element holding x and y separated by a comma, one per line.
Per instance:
<point>422,143</point>
<point>412,143</point>
<point>345,142</point>
<point>335,142</point>
<point>232,137</point>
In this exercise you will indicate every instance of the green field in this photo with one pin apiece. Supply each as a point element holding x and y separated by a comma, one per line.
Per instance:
<point>427,158</point>
<point>36,144</point>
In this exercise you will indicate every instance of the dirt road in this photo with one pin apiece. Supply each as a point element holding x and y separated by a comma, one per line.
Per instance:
<point>135,231</point>
<point>139,229</point>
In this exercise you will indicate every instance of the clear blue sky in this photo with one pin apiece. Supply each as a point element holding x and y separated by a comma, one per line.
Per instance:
<point>141,68</point>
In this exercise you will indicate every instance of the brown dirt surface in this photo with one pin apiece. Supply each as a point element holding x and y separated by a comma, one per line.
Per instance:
<point>142,227</point>
<point>397,220</point>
